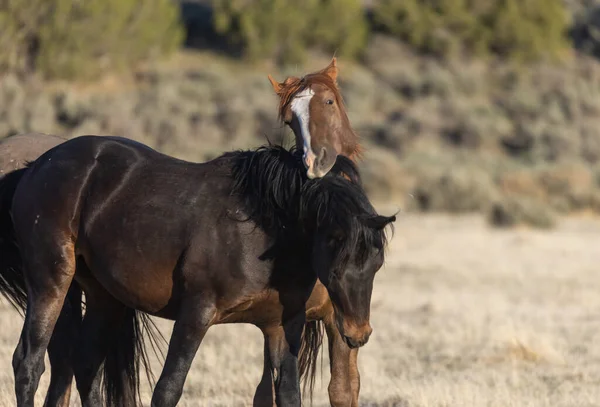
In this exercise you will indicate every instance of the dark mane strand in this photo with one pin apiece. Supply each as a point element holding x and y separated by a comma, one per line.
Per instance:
<point>338,205</point>
<point>276,195</point>
<point>269,181</point>
<point>345,166</point>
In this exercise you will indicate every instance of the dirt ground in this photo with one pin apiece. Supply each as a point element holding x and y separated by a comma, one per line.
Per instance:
<point>463,315</point>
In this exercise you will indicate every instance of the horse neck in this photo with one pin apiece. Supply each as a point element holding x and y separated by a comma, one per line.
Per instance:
<point>351,146</point>
<point>354,156</point>
<point>354,151</point>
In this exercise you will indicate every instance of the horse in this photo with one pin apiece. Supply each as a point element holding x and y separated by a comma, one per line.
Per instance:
<point>233,237</point>
<point>15,152</point>
<point>313,107</point>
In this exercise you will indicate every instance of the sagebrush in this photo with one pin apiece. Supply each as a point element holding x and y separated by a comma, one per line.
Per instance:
<point>70,39</point>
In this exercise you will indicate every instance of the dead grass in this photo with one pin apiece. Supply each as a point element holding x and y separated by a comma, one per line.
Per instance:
<point>464,315</point>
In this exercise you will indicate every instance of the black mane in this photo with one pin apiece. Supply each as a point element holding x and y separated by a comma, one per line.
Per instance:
<point>277,195</point>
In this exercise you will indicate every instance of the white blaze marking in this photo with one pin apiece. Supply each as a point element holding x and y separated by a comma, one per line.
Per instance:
<point>300,107</point>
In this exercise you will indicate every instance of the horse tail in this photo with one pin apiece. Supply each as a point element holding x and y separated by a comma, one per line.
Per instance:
<point>12,280</point>
<point>121,384</point>
<point>312,339</point>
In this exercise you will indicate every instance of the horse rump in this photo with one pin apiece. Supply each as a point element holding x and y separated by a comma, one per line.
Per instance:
<point>12,281</point>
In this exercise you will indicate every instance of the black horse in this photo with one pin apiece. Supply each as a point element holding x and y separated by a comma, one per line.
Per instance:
<point>242,238</point>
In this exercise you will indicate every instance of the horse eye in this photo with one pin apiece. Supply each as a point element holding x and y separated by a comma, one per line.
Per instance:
<point>329,101</point>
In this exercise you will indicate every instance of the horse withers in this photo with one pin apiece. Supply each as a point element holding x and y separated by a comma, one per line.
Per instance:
<point>242,238</point>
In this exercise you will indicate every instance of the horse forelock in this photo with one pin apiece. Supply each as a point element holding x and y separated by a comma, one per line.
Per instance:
<point>294,85</point>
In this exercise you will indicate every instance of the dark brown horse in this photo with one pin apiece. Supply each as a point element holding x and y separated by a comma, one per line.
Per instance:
<point>15,152</point>
<point>313,108</point>
<point>325,125</point>
<point>242,238</point>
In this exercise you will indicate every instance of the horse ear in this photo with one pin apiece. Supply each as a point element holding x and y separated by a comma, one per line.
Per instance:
<point>332,70</point>
<point>276,85</point>
<point>378,221</point>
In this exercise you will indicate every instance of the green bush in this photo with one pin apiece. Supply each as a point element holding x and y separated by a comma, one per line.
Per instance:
<point>521,30</point>
<point>284,29</point>
<point>83,39</point>
<point>19,22</point>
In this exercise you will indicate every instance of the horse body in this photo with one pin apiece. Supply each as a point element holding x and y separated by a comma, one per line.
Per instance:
<point>218,254</point>
<point>325,128</point>
<point>191,242</point>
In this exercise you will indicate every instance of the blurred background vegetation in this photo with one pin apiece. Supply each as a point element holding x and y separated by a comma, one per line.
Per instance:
<point>489,106</point>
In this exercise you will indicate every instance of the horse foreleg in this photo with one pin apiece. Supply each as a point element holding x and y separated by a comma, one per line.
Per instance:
<point>344,385</point>
<point>189,330</point>
<point>283,342</point>
<point>265,391</point>
<point>354,376</point>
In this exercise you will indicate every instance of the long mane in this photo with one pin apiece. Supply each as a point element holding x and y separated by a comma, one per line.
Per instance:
<point>278,197</point>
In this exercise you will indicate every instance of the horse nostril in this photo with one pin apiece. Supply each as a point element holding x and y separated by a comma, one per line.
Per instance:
<point>351,342</point>
<point>322,163</point>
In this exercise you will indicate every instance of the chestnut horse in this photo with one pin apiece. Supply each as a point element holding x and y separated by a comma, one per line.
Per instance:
<point>312,106</point>
<point>219,242</point>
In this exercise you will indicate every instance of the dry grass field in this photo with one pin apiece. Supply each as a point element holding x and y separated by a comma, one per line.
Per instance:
<point>463,315</point>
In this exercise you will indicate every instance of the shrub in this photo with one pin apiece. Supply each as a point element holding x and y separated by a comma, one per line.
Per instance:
<point>284,29</point>
<point>385,179</point>
<point>522,30</point>
<point>459,190</point>
<point>512,211</point>
<point>19,21</point>
<point>83,39</point>
<point>95,36</point>
<point>584,31</point>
